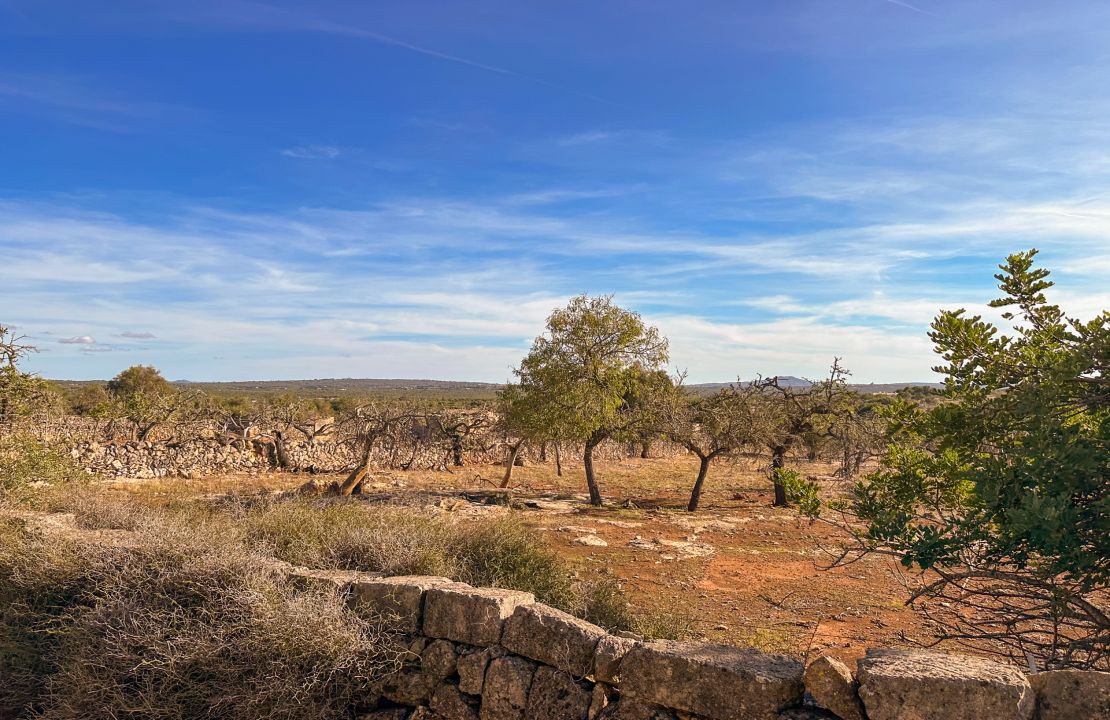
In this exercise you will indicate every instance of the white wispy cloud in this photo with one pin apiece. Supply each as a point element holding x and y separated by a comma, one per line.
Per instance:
<point>78,340</point>
<point>313,152</point>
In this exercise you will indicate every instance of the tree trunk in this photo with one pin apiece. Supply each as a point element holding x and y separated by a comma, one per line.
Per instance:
<point>645,452</point>
<point>778,461</point>
<point>280,455</point>
<point>558,461</point>
<point>456,450</point>
<point>543,452</point>
<point>510,464</point>
<point>703,470</point>
<point>588,462</point>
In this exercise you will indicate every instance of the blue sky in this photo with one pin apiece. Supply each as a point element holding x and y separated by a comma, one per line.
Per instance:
<point>241,190</point>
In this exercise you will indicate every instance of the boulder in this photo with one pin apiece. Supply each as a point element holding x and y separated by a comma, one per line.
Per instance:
<point>399,599</point>
<point>610,650</point>
<point>472,668</point>
<point>556,695</point>
<point>601,697</point>
<point>505,692</point>
<point>1072,694</point>
<point>448,703</point>
<point>937,686</point>
<point>470,615</point>
<point>414,685</point>
<point>717,681</point>
<point>832,687</point>
<point>552,637</point>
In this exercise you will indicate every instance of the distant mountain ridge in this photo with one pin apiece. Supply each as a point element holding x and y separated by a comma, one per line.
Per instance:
<point>354,385</point>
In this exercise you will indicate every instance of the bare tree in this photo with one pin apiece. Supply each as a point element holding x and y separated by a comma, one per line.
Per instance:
<point>711,427</point>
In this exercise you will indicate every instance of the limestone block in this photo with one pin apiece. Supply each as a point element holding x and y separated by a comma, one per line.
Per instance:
<point>552,637</point>
<point>1072,694</point>
<point>472,668</point>
<point>448,703</point>
<point>936,686</point>
<point>505,692</point>
<point>400,597</point>
<point>470,615</point>
<point>608,655</point>
<point>717,681</point>
<point>556,695</point>
<point>832,686</point>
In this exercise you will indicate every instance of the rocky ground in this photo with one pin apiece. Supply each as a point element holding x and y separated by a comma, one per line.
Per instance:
<point>737,571</point>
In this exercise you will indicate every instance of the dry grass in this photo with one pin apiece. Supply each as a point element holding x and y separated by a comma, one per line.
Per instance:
<point>188,623</point>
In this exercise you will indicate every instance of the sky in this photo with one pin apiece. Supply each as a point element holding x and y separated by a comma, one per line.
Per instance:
<point>235,190</point>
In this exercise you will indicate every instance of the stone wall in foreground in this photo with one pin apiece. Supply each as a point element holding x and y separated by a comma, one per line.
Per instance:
<point>490,654</point>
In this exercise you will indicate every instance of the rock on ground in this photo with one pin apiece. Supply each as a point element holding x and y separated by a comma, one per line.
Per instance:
<point>937,686</point>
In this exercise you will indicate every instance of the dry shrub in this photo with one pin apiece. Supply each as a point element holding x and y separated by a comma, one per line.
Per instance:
<point>188,624</point>
<point>346,535</point>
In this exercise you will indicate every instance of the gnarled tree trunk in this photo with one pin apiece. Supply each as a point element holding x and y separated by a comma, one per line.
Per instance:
<point>588,462</point>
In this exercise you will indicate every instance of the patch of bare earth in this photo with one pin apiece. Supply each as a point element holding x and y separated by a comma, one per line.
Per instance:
<point>739,570</point>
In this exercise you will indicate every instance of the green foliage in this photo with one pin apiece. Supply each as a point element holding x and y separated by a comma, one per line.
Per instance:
<point>1017,461</point>
<point>21,393</point>
<point>25,459</point>
<point>800,492</point>
<point>594,368</point>
<point>139,380</point>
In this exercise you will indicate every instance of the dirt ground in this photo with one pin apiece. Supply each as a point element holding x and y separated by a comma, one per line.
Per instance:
<point>737,571</point>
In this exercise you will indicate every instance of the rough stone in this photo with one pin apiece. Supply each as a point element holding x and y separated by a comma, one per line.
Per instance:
<point>400,599</point>
<point>832,686</point>
<point>630,709</point>
<point>600,698</point>
<point>505,693</point>
<point>448,703</point>
<point>413,685</point>
<point>556,695</point>
<point>1072,694</point>
<point>470,615</point>
<point>338,581</point>
<point>608,655</point>
<point>718,681</point>
<point>396,713</point>
<point>472,668</point>
<point>590,541</point>
<point>552,637</point>
<point>940,687</point>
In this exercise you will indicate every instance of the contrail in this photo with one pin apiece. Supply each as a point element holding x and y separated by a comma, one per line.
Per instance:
<point>906,5</point>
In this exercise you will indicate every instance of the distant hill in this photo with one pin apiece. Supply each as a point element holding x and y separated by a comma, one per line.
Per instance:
<point>791,381</point>
<point>442,389</point>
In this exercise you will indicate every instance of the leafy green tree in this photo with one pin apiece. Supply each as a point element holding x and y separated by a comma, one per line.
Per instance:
<point>148,400</point>
<point>136,379</point>
<point>595,372</point>
<point>1001,490</point>
<point>521,420</point>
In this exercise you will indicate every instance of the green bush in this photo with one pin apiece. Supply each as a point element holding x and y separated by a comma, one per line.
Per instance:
<point>25,460</point>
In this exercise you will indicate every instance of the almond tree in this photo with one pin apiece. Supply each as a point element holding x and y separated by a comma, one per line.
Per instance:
<point>713,427</point>
<point>593,372</point>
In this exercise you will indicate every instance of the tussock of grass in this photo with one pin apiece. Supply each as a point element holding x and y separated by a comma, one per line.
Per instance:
<point>190,623</point>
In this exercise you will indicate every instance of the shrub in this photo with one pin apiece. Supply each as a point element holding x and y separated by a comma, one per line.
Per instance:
<point>25,460</point>
<point>186,623</point>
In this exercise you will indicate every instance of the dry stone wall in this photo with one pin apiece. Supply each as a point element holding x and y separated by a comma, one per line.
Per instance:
<point>197,449</point>
<point>492,654</point>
